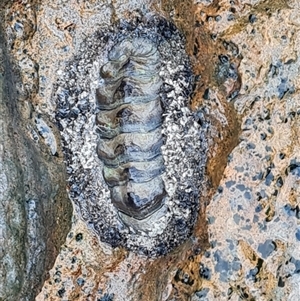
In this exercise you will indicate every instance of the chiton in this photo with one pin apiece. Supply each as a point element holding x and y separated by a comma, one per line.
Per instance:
<point>134,150</point>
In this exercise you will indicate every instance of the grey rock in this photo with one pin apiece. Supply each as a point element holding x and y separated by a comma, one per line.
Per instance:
<point>35,212</point>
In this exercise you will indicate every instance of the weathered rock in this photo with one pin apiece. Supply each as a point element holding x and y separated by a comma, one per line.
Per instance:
<point>35,212</point>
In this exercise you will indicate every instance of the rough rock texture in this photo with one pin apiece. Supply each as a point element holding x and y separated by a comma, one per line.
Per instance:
<point>35,212</point>
<point>254,253</point>
<point>246,243</point>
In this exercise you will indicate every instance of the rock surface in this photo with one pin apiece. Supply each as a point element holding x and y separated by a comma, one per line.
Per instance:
<point>35,213</point>
<point>246,243</point>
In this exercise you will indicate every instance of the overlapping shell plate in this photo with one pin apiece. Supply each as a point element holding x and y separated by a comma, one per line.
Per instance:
<point>135,153</point>
<point>129,127</point>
